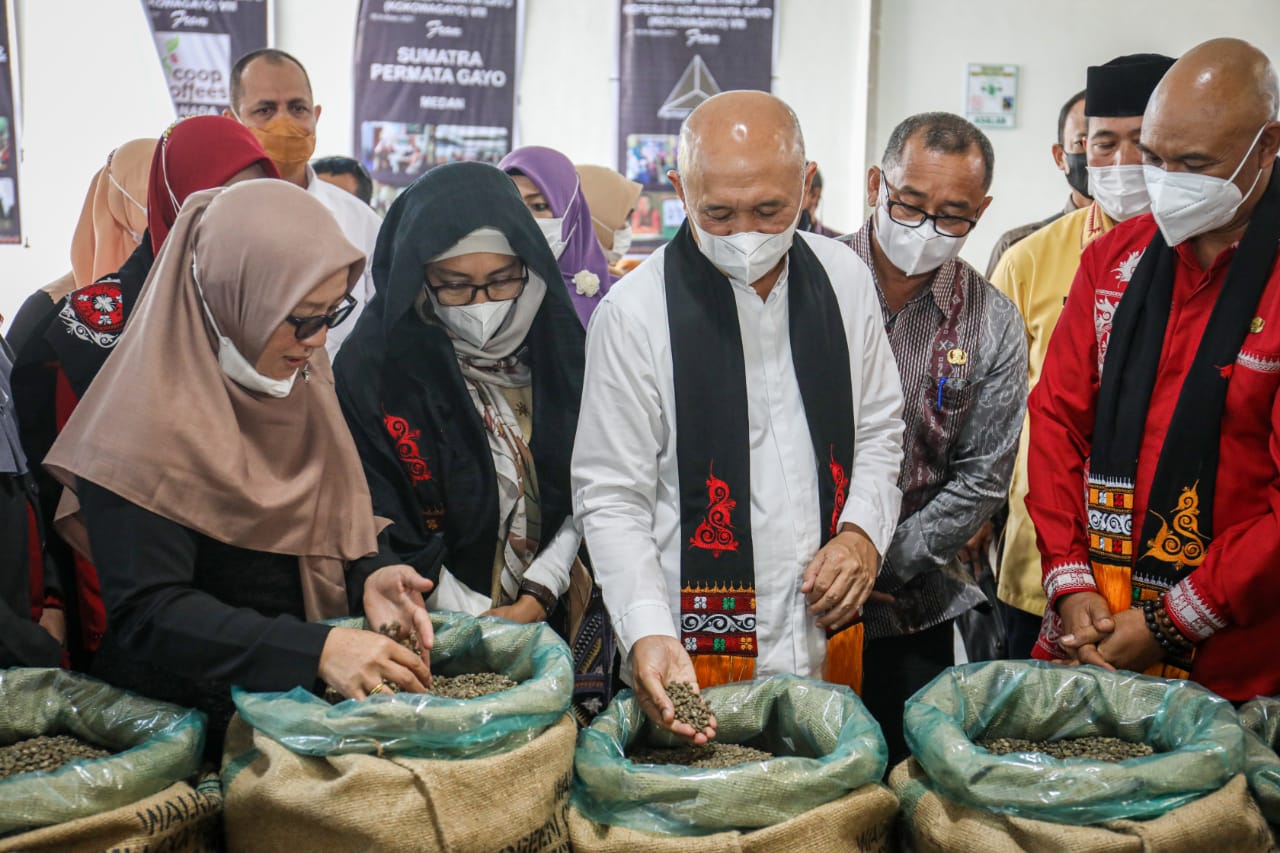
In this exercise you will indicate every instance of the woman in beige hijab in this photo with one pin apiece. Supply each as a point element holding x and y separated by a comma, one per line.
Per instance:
<point>112,221</point>
<point>224,499</point>
<point>611,198</point>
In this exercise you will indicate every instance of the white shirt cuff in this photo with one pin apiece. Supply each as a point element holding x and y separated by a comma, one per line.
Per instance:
<point>864,514</point>
<point>645,618</point>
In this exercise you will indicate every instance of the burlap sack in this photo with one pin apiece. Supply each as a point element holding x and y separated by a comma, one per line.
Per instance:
<point>859,822</point>
<point>179,819</point>
<point>1226,820</point>
<point>279,800</point>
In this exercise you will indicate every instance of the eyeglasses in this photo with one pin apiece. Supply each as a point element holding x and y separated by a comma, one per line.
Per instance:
<point>464,294</point>
<point>913,217</point>
<point>305,327</point>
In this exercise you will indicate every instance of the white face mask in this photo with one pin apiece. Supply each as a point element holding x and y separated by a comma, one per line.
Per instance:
<point>745,257</point>
<point>475,324</point>
<point>1186,204</point>
<point>551,230</point>
<point>915,251</point>
<point>621,244</point>
<point>236,367</point>
<point>1121,191</point>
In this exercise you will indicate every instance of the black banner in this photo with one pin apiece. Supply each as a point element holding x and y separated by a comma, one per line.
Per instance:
<point>10,149</point>
<point>674,55</point>
<point>434,83</point>
<point>198,42</point>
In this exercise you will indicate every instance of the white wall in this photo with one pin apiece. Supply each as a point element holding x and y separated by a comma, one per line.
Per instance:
<point>923,47</point>
<point>91,80</point>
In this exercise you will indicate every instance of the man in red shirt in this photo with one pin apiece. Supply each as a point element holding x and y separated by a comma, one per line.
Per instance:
<point>1161,407</point>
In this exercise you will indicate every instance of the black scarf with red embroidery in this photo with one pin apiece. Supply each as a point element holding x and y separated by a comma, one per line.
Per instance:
<point>421,440</point>
<point>717,571</point>
<point>1179,522</point>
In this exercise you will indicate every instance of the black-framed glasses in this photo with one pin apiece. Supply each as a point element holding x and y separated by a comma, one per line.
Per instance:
<point>913,217</point>
<point>500,290</point>
<point>305,327</point>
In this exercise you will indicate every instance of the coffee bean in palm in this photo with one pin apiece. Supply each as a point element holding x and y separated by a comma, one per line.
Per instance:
<point>45,754</point>
<point>1095,748</point>
<point>690,707</point>
<point>409,640</point>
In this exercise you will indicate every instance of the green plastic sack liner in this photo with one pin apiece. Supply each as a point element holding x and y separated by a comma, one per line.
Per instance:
<point>156,745</point>
<point>827,743</point>
<point>420,725</point>
<point>1197,736</point>
<point>1261,720</point>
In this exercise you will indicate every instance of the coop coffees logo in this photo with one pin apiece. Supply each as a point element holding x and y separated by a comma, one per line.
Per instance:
<point>195,67</point>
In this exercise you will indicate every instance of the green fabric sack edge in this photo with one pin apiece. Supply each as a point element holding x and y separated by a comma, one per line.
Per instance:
<point>781,714</point>
<point>157,744</point>
<point>420,725</point>
<point>1198,737</point>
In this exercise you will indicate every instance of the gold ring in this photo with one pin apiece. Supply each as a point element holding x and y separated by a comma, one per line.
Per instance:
<point>382,685</point>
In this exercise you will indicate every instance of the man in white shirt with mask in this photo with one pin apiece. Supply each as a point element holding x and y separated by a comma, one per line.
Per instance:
<point>740,436</point>
<point>271,95</point>
<point>1037,273</point>
<point>961,354</point>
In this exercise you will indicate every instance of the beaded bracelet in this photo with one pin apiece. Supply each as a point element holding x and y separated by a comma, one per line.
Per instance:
<point>1163,630</point>
<point>1171,631</point>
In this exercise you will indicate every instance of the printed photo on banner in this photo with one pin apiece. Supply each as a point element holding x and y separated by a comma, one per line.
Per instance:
<point>649,158</point>
<point>397,153</point>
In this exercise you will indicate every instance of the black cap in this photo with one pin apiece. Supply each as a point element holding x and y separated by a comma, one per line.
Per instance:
<point>1123,86</point>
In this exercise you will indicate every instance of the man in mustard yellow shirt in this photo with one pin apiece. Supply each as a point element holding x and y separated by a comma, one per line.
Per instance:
<point>1036,274</point>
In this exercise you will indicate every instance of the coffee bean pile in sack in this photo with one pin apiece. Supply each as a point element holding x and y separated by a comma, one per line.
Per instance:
<point>45,754</point>
<point>470,685</point>
<point>690,707</point>
<point>1096,748</point>
<point>710,756</point>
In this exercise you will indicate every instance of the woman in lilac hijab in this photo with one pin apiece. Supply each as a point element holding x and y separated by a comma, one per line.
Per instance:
<point>548,183</point>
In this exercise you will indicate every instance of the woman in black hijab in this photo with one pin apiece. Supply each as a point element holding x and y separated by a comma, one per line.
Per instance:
<point>461,385</point>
